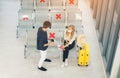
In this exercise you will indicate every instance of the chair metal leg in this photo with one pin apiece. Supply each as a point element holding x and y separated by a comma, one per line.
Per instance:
<point>25,51</point>
<point>17,32</point>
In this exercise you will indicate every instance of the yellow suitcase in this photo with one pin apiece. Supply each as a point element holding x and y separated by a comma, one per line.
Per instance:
<point>81,57</point>
<point>84,56</point>
<point>87,54</point>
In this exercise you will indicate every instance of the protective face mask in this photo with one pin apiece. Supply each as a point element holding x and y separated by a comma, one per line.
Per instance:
<point>48,29</point>
<point>69,31</point>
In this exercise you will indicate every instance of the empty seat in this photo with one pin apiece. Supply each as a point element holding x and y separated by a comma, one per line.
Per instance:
<point>25,20</point>
<point>42,4</point>
<point>31,38</point>
<point>58,40</point>
<point>71,5</point>
<point>71,2</point>
<point>31,42</point>
<point>27,4</point>
<point>80,30</point>
<point>74,17</point>
<point>58,19</point>
<point>56,35</point>
<point>40,17</point>
<point>56,4</point>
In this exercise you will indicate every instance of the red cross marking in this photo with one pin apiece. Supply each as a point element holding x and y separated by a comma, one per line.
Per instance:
<point>25,18</point>
<point>71,2</point>
<point>52,35</point>
<point>58,16</point>
<point>42,1</point>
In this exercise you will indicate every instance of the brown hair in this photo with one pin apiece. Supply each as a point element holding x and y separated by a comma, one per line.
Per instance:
<point>73,30</point>
<point>46,24</point>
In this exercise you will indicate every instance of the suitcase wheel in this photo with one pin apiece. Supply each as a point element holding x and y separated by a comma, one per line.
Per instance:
<point>79,65</point>
<point>86,65</point>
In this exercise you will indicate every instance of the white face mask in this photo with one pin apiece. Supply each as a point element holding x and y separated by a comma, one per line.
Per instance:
<point>48,29</point>
<point>69,31</point>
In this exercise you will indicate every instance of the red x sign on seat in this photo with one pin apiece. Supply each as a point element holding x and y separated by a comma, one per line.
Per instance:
<point>71,1</point>
<point>52,35</point>
<point>58,16</point>
<point>25,18</point>
<point>42,1</point>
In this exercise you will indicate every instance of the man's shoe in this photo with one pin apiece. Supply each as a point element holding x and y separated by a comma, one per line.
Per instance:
<point>47,60</point>
<point>42,69</point>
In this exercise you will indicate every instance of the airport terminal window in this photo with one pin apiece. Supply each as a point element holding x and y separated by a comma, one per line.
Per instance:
<point>110,42</point>
<point>118,74</point>
<point>115,48</point>
<point>113,32</point>
<point>112,45</point>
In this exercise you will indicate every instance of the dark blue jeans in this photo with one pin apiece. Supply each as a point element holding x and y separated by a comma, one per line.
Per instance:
<point>66,51</point>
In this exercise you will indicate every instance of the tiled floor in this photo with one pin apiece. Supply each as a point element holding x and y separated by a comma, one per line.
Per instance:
<point>13,65</point>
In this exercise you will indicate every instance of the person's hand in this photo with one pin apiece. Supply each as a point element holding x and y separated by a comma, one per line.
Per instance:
<point>67,41</point>
<point>51,43</point>
<point>46,45</point>
<point>66,45</point>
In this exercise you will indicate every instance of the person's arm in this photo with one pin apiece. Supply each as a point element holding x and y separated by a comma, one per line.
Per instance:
<point>49,44</point>
<point>66,45</point>
<point>46,44</point>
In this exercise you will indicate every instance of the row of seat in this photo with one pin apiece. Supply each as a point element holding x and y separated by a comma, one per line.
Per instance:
<point>28,19</point>
<point>48,4</point>
<point>31,38</point>
<point>59,12</point>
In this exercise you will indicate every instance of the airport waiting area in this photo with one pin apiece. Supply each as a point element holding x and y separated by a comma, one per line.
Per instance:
<point>96,40</point>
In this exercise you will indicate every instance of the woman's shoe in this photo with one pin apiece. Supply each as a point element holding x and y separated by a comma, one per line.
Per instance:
<point>66,62</point>
<point>63,65</point>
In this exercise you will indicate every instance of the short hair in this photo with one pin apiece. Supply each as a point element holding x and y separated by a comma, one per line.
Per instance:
<point>46,24</point>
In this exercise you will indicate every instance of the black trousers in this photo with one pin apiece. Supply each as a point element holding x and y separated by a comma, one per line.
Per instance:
<point>66,51</point>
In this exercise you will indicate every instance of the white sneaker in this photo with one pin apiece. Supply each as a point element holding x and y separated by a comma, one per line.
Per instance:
<point>66,62</point>
<point>63,65</point>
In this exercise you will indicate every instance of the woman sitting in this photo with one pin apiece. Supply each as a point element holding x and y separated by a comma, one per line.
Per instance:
<point>69,42</point>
